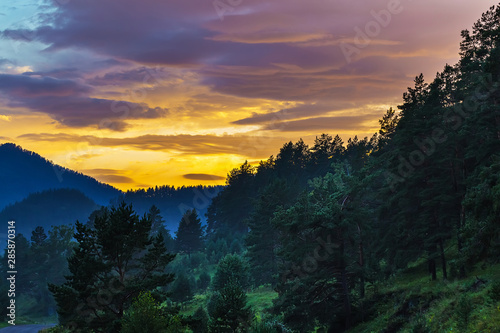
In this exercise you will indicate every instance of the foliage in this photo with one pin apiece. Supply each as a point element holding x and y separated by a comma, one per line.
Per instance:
<point>181,289</point>
<point>199,321</point>
<point>189,235</point>
<point>228,308</point>
<point>231,268</point>
<point>144,315</point>
<point>114,261</point>
<point>203,281</point>
<point>463,311</point>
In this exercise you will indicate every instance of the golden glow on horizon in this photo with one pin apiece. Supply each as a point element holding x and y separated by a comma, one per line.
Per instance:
<point>217,99</point>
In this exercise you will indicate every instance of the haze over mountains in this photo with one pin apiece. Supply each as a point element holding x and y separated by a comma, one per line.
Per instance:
<point>23,172</point>
<point>34,191</point>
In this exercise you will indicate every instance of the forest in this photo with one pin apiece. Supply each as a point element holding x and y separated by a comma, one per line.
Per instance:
<point>399,232</point>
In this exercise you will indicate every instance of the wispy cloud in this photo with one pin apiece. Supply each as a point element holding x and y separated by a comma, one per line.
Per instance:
<point>244,145</point>
<point>202,176</point>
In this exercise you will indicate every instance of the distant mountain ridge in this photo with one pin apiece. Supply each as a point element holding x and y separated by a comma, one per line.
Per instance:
<point>23,172</point>
<point>48,208</point>
<point>35,191</point>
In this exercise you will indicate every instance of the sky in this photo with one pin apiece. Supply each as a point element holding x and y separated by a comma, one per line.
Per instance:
<point>138,93</point>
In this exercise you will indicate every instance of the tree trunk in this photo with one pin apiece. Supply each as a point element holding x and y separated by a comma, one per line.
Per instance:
<point>432,266</point>
<point>345,288</point>
<point>361,264</point>
<point>443,259</point>
<point>461,221</point>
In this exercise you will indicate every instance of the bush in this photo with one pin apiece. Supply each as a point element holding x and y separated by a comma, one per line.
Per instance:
<point>269,326</point>
<point>144,315</point>
<point>494,292</point>
<point>420,325</point>
<point>231,267</point>
<point>463,311</point>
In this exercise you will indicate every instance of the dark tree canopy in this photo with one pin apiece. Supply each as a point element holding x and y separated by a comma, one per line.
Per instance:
<point>113,262</point>
<point>189,235</point>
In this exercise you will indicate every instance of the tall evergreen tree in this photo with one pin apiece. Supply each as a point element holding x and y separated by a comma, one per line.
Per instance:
<point>38,236</point>
<point>189,235</point>
<point>114,261</point>
<point>262,239</point>
<point>322,246</point>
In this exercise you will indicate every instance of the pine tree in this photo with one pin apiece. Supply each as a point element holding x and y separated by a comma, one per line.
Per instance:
<point>231,267</point>
<point>38,236</point>
<point>114,261</point>
<point>323,248</point>
<point>228,309</point>
<point>262,238</point>
<point>189,235</point>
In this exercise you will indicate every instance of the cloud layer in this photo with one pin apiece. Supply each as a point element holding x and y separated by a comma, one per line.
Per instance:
<point>194,79</point>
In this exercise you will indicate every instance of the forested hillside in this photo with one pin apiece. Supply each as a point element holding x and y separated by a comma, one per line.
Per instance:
<point>23,172</point>
<point>49,208</point>
<point>171,201</point>
<point>399,232</point>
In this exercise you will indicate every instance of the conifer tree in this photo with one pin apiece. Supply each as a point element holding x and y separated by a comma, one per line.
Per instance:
<point>113,262</point>
<point>189,235</point>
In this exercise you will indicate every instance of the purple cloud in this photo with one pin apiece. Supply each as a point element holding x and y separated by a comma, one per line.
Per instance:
<point>21,86</point>
<point>66,101</point>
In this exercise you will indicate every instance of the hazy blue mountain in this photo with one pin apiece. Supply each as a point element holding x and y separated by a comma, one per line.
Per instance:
<point>47,208</point>
<point>23,172</point>
<point>28,184</point>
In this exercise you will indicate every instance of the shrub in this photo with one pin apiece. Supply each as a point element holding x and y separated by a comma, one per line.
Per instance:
<point>144,315</point>
<point>231,267</point>
<point>494,292</point>
<point>463,311</point>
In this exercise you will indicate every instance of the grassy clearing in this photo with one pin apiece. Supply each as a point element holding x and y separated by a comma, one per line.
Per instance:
<point>411,302</point>
<point>259,299</point>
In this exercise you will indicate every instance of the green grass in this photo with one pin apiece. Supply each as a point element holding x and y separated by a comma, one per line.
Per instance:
<point>411,302</point>
<point>258,299</point>
<point>261,298</point>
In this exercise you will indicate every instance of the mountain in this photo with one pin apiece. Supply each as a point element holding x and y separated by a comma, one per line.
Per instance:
<point>33,191</point>
<point>23,172</point>
<point>47,208</point>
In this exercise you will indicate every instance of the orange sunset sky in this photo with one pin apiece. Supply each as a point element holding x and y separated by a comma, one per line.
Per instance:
<point>143,93</point>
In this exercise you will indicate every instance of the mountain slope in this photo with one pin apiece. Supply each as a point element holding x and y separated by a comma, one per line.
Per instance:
<point>23,172</point>
<point>47,208</point>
